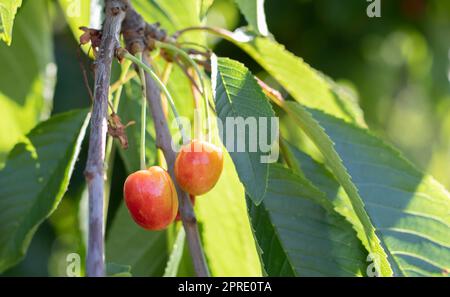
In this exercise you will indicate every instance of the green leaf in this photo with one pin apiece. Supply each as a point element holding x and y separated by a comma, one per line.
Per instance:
<point>225,229</point>
<point>298,236</point>
<point>326,146</point>
<point>27,74</point>
<point>128,244</point>
<point>205,5</point>
<point>34,180</point>
<point>305,84</point>
<point>253,10</point>
<point>239,100</point>
<point>176,255</point>
<point>8,10</point>
<point>152,13</point>
<point>325,181</point>
<point>173,15</point>
<point>117,270</point>
<point>409,210</point>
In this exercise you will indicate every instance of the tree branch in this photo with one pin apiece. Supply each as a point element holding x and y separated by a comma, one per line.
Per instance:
<point>94,172</point>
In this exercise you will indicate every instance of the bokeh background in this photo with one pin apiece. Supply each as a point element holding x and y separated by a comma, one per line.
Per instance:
<point>397,65</point>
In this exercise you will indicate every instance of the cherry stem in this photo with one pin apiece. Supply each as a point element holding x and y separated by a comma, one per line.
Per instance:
<point>203,90</point>
<point>218,31</point>
<point>164,89</point>
<point>165,78</point>
<point>143,111</point>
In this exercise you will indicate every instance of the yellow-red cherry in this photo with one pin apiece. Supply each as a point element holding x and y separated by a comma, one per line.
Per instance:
<point>198,167</point>
<point>151,198</point>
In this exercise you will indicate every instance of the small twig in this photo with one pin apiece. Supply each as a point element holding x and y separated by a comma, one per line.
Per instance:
<point>270,92</point>
<point>85,77</point>
<point>94,172</point>
<point>165,78</point>
<point>214,30</point>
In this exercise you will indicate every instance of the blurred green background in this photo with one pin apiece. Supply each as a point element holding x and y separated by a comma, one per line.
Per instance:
<point>397,65</point>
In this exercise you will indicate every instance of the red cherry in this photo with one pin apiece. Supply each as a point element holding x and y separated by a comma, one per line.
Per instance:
<point>151,198</point>
<point>178,217</point>
<point>198,167</point>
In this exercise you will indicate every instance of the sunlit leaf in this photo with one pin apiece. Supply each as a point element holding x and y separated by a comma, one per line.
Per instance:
<point>82,13</point>
<point>204,7</point>
<point>27,74</point>
<point>34,180</point>
<point>225,230</point>
<point>173,15</point>
<point>8,10</point>
<point>305,84</point>
<point>176,255</point>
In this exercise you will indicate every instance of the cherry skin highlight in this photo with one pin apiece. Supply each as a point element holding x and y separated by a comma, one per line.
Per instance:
<point>198,167</point>
<point>178,217</point>
<point>151,198</point>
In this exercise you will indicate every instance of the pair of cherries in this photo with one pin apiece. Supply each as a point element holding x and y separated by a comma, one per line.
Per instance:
<point>150,194</point>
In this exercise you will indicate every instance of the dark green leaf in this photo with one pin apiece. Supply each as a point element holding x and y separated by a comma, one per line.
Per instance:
<point>127,243</point>
<point>409,210</point>
<point>298,235</point>
<point>117,270</point>
<point>34,180</point>
<point>239,99</point>
<point>326,146</point>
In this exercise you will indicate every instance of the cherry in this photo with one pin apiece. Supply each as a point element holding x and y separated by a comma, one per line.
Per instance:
<point>178,217</point>
<point>151,198</point>
<point>198,167</point>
